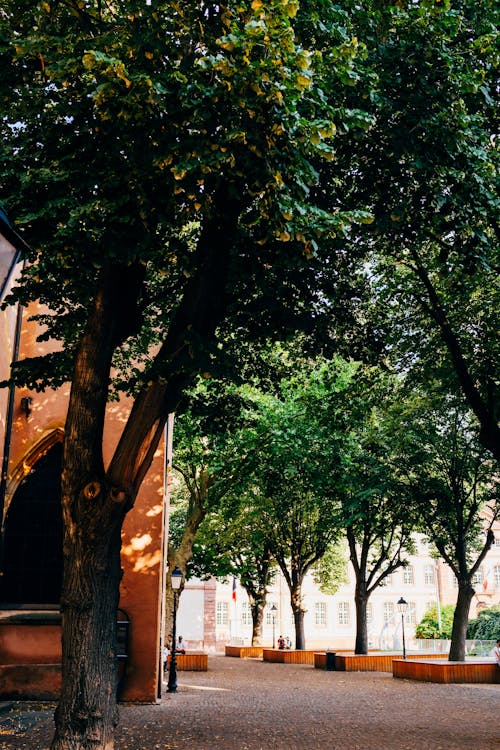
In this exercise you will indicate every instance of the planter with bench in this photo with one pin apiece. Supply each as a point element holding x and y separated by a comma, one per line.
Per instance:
<point>443,671</point>
<point>285,656</point>
<point>191,662</point>
<point>244,652</point>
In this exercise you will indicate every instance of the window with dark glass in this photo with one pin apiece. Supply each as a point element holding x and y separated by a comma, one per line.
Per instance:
<point>32,549</point>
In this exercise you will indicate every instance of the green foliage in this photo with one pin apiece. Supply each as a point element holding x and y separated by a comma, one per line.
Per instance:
<point>428,627</point>
<point>486,626</point>
<point>184,118</point>
<point>450,478</point>
<point>330,572</point>
<point>428,169</point>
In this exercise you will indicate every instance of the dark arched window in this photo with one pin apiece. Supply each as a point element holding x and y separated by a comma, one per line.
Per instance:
<point>32,553</point>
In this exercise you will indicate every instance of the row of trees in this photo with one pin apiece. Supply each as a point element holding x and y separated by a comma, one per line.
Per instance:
<point>332,449</point>
<point>251,169</point>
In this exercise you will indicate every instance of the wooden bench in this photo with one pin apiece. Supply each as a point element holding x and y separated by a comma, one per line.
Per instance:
<point>244,652</point>
<point>285,656</point>
<point>191,662</point>
<point>320,656</point>
<point>372,662</point>
<point>443,671</point>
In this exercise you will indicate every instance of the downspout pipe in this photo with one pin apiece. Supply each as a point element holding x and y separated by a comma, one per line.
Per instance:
<point>8,433</point>
<point>21,249</point>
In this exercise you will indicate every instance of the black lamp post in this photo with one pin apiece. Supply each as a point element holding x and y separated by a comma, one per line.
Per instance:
<point>176,578</point>
<point>274,609</point>
<point>403,607</point>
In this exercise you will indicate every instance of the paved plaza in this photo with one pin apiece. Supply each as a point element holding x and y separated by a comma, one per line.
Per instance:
<point>242,704</point>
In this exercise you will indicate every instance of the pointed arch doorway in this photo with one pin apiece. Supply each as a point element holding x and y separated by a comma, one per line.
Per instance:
<point>32,560</point>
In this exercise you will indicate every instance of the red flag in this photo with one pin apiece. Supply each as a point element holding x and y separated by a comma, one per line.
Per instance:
<point>485,582</point>
<point>234,589</point>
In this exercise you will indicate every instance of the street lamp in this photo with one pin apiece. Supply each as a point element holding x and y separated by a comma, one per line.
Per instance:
<point>176,578</point>
<point>274,609</point>
<point>403,607</point>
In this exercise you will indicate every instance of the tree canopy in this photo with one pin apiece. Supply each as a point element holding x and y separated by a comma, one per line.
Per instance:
<point>191,176</point>
<point>159,159</point>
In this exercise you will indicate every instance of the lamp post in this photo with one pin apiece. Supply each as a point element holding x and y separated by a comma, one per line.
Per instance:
<point>274,609</point>
<point>176,578</point>
<point>403,607</point>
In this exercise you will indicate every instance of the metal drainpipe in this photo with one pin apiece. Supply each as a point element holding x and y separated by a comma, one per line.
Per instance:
<point>8,432</point>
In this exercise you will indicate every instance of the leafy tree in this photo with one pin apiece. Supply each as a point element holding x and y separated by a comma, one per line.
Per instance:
<point>428,627</point>
<point>197,127</point>
<point>330,572</point>
<point>376,514</point>
<point>428,169</point>
<point>296,473</point>
<point>281,511</point>
<point>214,532</point>
<point>486,626</point>
<point>454,488</point>
<point>210,464</point>
<point>232,543</point>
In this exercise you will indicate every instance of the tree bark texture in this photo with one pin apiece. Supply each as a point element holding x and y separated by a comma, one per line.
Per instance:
<point>93,512</point>
<point>87,715</point>
<point>95,501</point>
<point>460,621</point>
<point>361,603</point>
<point>257,621</point>
<point>298,615</point>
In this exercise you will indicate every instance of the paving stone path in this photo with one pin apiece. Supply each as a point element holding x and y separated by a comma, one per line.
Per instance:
<point>242,704</point>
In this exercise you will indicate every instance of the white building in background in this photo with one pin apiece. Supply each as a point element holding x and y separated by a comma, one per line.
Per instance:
<point>210,616</point>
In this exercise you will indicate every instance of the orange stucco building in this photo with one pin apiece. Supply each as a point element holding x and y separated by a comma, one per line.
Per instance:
<point>31,434</point>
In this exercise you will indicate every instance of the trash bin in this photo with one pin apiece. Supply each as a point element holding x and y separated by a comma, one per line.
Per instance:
<point>330,661</point>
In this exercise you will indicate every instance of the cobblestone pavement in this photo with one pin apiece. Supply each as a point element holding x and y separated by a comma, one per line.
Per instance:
<point>251,705</point>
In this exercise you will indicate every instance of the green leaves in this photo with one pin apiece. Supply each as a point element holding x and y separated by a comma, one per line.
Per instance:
<point>124,126</point>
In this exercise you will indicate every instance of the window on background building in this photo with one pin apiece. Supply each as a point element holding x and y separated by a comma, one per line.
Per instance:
<point>477,578</point>
<point>222,613</point>
<point>496,576</point>
<point>369,613</point>
<point>430,605</point>
<point>343,613</point>
<point>411,614</point>
<point>269,614</point>
<point>246,614</point>
<point>496,543</point>
<point>408,575</point>
<point>424,544</point>
<point>387,580</point>
<point>453,580</point>
<point>429,574</point>
<point>388,611</point>
<point>320,614</point>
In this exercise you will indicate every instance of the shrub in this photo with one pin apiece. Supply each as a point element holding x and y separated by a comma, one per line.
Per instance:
<point>486,626</point>
<point>428,627</point>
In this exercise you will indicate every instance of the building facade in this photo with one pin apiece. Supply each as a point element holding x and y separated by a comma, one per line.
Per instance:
<point>31,435</point>
<point>330,621</point>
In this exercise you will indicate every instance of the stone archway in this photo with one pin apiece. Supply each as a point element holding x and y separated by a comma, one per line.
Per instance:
<point>32,548</point>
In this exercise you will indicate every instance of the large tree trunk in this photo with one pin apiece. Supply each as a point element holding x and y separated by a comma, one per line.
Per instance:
<point>87,715</point>
<point>300,638</point>
<point>257,610</point>
<point>93,512</point>
<point>298,616</point>
<point>95,501</point>
<point>361,602</point>
<point>460,621</point>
